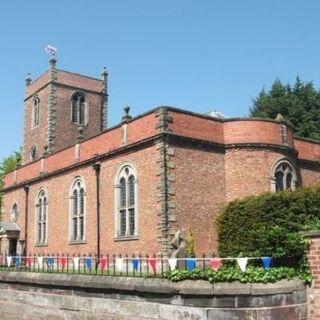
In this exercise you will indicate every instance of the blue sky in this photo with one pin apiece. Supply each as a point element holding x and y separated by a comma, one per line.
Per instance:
<point>199,55</point>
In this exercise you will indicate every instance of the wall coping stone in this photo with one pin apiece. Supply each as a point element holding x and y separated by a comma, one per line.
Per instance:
<point>140,285</point>
<point>311,234</point>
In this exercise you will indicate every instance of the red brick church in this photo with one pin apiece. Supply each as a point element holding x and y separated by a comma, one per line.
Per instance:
<point>87,188</point>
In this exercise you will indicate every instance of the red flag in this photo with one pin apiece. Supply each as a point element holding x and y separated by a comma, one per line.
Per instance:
<point>215,264</point>
<point>63,262</point>
<point>103,262</point>
<point>153,264</point>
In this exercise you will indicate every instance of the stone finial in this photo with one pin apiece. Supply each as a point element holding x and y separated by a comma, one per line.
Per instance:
<point>126,117</point>
<point>104,73</point>
<point>28,79</point>
<point>279,117</point>
<point>53,62</point>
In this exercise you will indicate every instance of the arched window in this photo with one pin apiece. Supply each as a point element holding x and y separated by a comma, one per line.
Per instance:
<point>79,109</point>
<point>77,211</point>
<point>14,213</point>
<point>36,112</point>
<point>283,176</point>
<point>126,203</point>
<point>42,217</point>
<point>33,153</point>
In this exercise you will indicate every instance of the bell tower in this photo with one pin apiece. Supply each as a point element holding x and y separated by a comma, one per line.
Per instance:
<point>61,108</point>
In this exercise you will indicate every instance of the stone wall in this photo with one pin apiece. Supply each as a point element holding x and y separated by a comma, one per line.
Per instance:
<point>60,296</point>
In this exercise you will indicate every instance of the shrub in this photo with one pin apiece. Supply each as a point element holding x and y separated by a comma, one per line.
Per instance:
<point>269,224</point>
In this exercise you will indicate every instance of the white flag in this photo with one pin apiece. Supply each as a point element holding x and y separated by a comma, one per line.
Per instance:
<point>119,264</point>
<point>40,261</point>
<point>9,259</point>
<point>172,263</point>
<point>242,262</point>
<point>76,262</point>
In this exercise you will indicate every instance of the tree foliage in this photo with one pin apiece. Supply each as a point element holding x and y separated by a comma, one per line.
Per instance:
<point>269,224</point>
<point>8,164</point>
<point>298,104</point>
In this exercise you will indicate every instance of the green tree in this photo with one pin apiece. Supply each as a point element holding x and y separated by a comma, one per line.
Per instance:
<point>298,104</point>
<point>8,164</point>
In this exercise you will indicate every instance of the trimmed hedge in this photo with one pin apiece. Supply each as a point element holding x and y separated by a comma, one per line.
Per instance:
<point>269,224</point>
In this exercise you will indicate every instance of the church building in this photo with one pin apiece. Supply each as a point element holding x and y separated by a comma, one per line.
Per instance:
<point>86,188</point>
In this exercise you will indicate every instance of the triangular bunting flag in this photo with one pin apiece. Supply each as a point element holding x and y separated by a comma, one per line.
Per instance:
<point>191,264</point>
<point>242,262</point>
<point>172,263</point>
<point>88,263</point>
<point>18,261</point>
<point>215,264</point>
<point>103,263</point>
<point>51,262</point>
<point>153,264</point>
<point>28,261</point>
<point>9,259</point>
<point>266,262</point>
<point>40,261</point>
<point>119,264</point>
<point>76,261</point>
<point>63,262</point>
<point>135,263</point>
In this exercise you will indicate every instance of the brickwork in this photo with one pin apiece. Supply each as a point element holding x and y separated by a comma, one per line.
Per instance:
<point>314,262</point>
<point>56,130</point>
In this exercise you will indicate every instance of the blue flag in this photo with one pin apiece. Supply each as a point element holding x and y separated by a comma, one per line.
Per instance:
<point>266,262</point>
<point>50,262</point>
<point>191,263</point>
<point>88,263</point>
<point>135,263</point>
<point>18,261</point>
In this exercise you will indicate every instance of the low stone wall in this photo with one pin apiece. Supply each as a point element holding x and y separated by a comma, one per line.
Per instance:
<point>60,296</point>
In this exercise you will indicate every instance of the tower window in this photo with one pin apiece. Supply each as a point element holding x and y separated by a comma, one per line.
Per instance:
<point>79,109</point>
<point>33,153</point>
<point>36,112</point>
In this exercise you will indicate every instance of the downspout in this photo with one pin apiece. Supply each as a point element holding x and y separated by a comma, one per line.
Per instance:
<point>26,189</point>
<point>97,167</point>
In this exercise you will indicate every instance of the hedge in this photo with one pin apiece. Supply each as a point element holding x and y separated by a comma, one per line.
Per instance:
<point>269,224</point>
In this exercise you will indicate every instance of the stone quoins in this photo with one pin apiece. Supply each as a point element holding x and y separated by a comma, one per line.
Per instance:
<point>164,120</point>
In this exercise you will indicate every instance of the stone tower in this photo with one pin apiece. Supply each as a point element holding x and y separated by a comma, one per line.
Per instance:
<point>61,108</point>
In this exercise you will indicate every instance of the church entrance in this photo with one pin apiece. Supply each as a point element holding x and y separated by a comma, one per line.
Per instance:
<point>12,247</point>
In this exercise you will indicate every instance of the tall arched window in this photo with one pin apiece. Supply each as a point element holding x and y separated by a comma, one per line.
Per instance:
<point>79,109</point>
<point>42,217</point>
<point>283,176</point>
<point>77,214</point>
<point>36,112</point>
<point>126,203</point>
<point>14,213</point>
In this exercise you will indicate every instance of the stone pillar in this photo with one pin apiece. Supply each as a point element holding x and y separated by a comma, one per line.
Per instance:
<point>314,261</point>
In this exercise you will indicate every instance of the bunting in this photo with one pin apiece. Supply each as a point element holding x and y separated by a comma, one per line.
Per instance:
<point>50,262</point>
<point>88,263</point>
<point>103,263</point>
<point>40,261</point>
<point>9,259</point>
<point>76,261</point>
<point>172,263</point>
<point>215,264</point>
<point>191,263</point>
<point>28,261</point>
<point>242,262</point>
<point>63,262</point>
<point>153,264</point>
<point>18,261</point>
<point>119,264</point>
<point>266,262</point>
<point>135,263</point>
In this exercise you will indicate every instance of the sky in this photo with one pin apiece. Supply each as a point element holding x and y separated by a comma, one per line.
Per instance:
<point>199,55</point>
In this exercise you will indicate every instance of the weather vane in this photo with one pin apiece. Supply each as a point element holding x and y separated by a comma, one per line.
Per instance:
<point>51,50</point>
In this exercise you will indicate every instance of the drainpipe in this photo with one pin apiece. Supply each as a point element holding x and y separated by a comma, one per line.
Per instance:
<point>97,167</point>
<point>26,189</point>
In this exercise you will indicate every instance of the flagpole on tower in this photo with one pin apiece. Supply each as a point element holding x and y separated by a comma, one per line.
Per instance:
<point>52,52</point>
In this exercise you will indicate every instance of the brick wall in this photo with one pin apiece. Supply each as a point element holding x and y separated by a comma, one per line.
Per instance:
<point>314,262</point>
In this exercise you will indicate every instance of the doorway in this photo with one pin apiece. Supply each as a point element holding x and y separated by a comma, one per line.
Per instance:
<point>12,247</point>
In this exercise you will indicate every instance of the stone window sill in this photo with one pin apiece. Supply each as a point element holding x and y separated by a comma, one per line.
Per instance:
<point>41,245</point>
<point>77,242</point>
<point>132,238</point>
